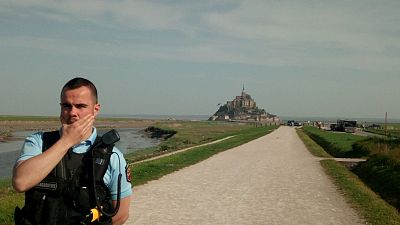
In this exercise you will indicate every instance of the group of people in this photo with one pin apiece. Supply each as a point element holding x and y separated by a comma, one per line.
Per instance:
<point>55,169</point>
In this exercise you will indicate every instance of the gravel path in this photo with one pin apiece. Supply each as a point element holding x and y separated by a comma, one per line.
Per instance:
<point>271,180</point>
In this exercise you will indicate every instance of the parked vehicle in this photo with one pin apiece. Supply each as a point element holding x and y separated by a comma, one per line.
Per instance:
<point>293,123</point>
<point>345,126</point>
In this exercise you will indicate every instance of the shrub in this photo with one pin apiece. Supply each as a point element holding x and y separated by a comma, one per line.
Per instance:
<point>376,145</point>
<point>382,174</point>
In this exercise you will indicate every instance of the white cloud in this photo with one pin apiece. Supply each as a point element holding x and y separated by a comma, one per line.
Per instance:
<point>277,33</point>
<point>295,23</point>
<point>281,27</point>
<point>128,13</point>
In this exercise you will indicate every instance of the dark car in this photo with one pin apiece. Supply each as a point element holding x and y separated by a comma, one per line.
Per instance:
<point>293,123</point>
<point>297,123</point>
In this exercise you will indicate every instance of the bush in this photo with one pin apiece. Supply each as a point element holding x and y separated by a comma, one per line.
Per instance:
<point>382,174</point>
<point>376,145</point>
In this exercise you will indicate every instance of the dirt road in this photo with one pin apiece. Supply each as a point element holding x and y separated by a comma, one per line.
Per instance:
<point>271,180</point>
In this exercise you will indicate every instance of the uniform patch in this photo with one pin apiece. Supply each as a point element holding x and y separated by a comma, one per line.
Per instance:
<point>128,173</point>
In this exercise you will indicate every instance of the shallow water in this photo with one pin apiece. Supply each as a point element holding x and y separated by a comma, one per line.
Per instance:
<point>131,140</point>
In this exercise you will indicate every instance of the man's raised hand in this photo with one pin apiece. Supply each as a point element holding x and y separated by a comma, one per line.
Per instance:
<point>77,131</point>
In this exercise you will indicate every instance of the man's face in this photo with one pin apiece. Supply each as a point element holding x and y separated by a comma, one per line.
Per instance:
<point>76,104</point>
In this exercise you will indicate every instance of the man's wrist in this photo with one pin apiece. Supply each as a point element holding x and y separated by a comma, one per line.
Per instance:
<point>66,143</point>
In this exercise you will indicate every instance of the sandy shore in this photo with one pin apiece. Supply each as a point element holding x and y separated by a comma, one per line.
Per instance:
<point>7,127</point>
<point>271,180</point>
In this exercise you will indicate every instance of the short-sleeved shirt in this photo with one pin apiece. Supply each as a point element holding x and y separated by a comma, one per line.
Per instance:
<point>33,147</point>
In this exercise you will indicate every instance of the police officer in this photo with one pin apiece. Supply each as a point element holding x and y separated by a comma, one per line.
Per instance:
<point>79,108</point>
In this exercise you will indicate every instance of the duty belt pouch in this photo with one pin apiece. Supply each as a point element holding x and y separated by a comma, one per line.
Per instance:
<point>55,211</point>
<point>34,202</point>
<point>19,217</point>
<point>42,208</point>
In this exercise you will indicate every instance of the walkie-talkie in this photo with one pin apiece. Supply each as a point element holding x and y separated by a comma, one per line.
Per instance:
<point>101,154</point>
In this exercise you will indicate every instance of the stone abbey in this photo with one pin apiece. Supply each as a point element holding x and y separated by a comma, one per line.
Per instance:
<point>243,108</point>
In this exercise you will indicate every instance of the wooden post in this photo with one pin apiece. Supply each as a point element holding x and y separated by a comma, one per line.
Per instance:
<point>386,137</point>
<point>386,124</point>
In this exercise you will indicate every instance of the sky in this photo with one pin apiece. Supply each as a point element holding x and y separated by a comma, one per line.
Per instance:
<point>295,58</point>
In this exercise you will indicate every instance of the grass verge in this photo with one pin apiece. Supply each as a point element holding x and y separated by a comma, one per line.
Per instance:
<point>337,144</point>
<point>151,170</point>
<point>9,200</point>
<point>374,209</point>
<point>313,147</point>
<point>188,134</point>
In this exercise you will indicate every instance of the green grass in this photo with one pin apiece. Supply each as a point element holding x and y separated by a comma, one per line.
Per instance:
<point>392,130</point>
<point>146,171</point>
<point>391,133</point>
<point>337,144</point>
<point>374,209</point>
<point>313,147</point>
<point>9,200</point>
<point>382,173</point>
<point>189,133</point>
<point>378,145</point>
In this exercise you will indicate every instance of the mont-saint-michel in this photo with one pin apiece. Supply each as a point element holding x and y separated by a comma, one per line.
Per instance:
<point>243,108</point>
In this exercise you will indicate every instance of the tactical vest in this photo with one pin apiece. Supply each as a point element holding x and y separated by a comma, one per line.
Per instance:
<point>65,196</point>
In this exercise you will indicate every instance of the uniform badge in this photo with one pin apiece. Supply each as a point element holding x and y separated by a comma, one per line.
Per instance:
<point>128,173</point>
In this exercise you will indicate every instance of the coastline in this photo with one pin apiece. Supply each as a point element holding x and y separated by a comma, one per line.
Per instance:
<point>13,133</point>
<point>8,127</point>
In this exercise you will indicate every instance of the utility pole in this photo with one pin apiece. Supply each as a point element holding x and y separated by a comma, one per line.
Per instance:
<point>386,137</point>
<point>386,124</point>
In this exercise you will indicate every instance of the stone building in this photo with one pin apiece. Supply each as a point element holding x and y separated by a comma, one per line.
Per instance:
<point>244,101</point>
<point>243,108</point>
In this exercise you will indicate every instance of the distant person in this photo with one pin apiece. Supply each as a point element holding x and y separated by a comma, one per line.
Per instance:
<point>55,168</point>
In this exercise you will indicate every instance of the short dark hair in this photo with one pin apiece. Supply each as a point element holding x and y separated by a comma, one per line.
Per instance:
<point>78,82</point>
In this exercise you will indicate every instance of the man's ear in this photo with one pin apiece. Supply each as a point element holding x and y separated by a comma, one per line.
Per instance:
<point>96,109</point>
